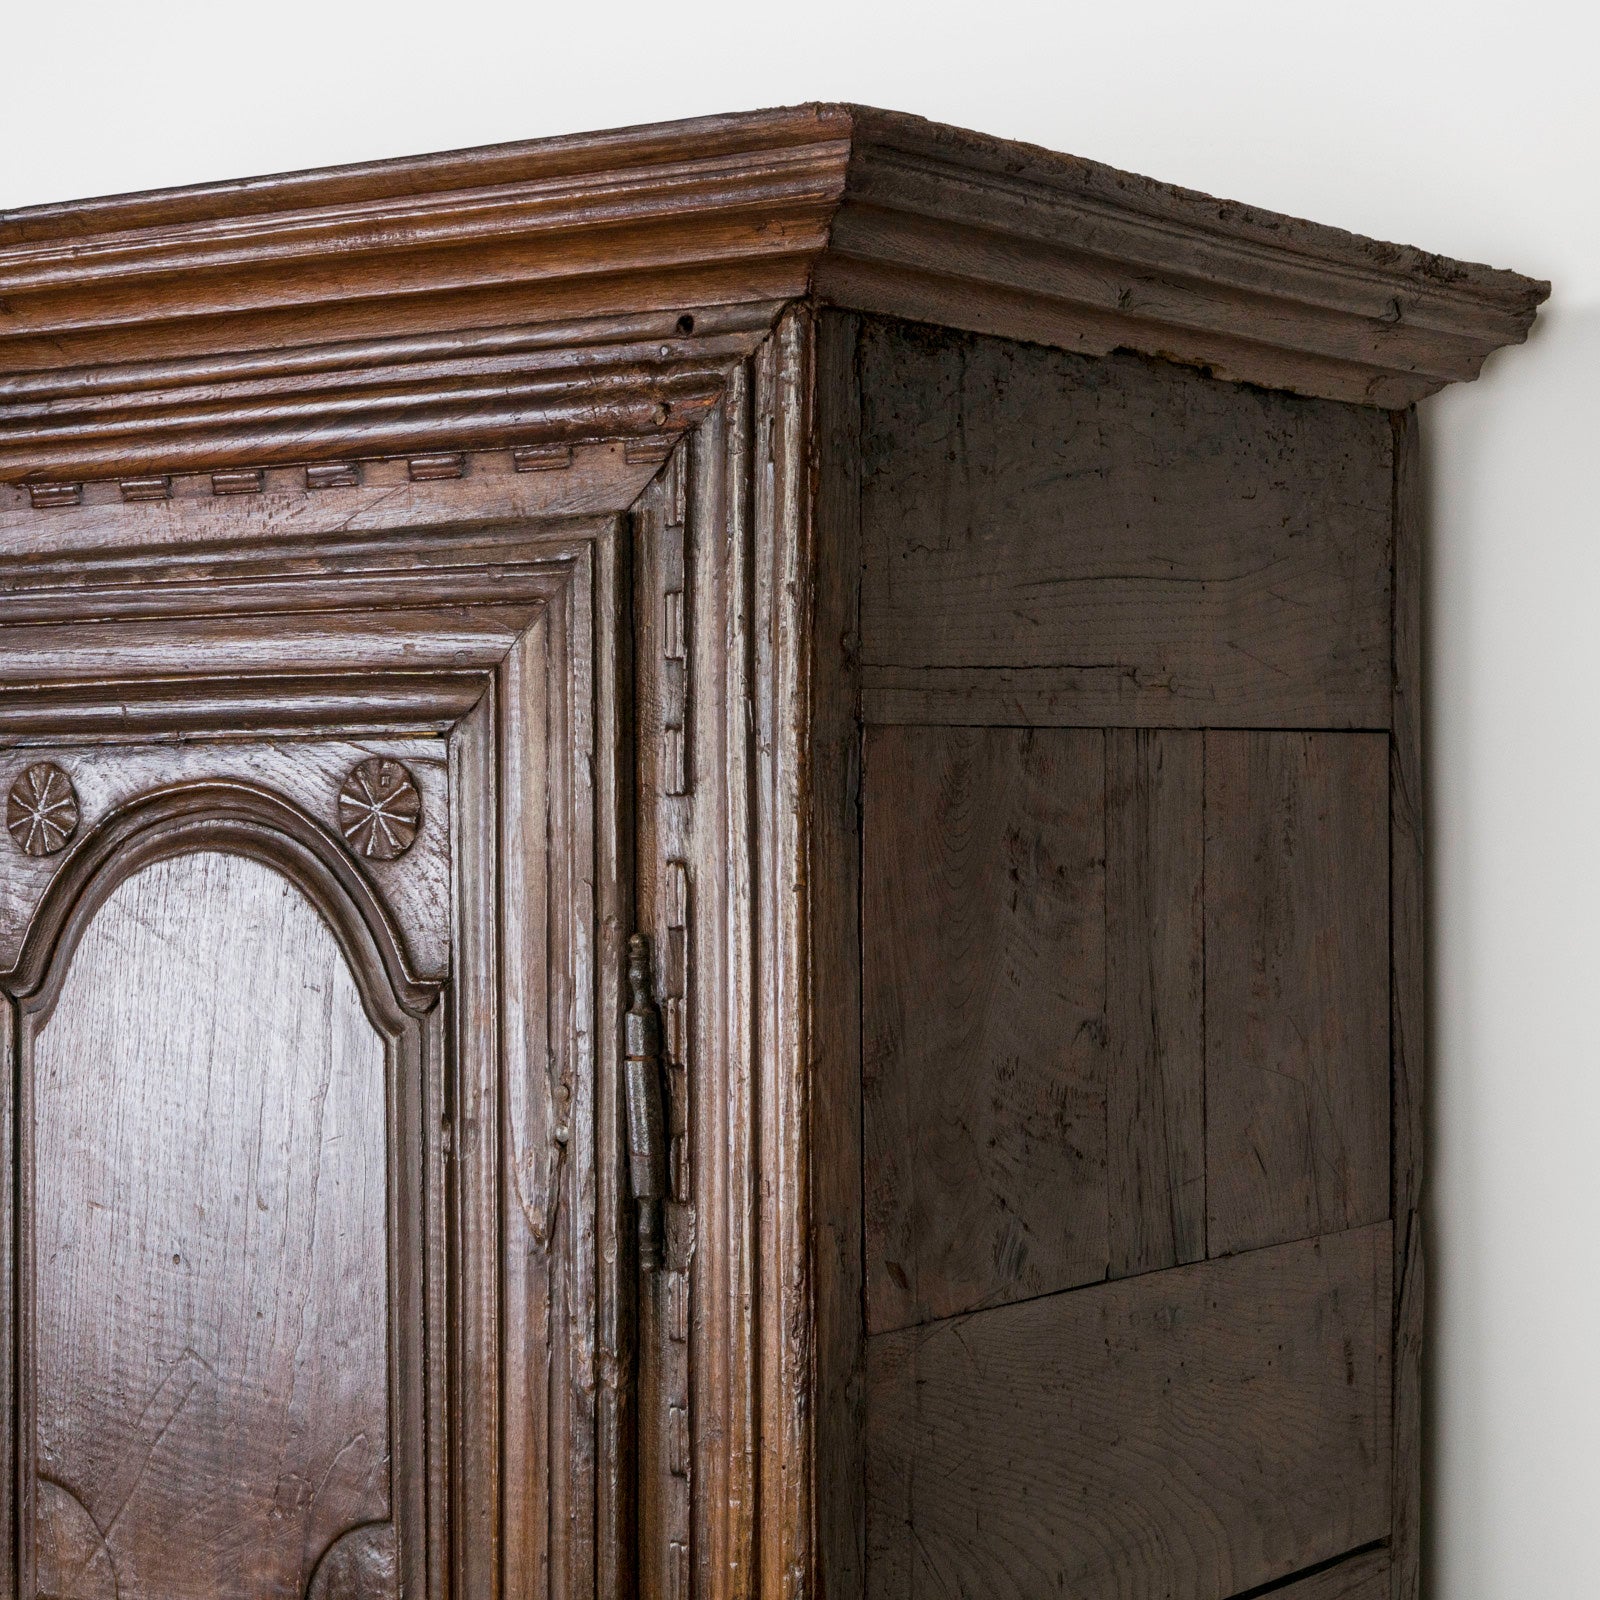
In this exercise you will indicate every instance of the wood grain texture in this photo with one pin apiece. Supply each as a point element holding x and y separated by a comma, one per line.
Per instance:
<point>948,226</point>
<point>1297,985</point>
<point>782,614</point>
<point>415,886</point>
<point>1155,999</point>
<point>1358,1577</point>
<point>522,1444</point>
<point>209,1214</point>
<point>660,1381</point>
<point>379,497</point>
<point>984,1120</point>
<point>835,931</point>
<point>726,1328</point>
<point>338,462</point>
<point>1408,923</point>
<point>1185,1435</point>
<point>1051,539</point>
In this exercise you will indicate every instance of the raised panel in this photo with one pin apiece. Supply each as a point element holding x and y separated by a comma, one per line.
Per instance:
<point>211,1240</point>
<point>480,1446</point>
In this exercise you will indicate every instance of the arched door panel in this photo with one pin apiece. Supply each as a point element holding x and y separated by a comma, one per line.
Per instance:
<point>210,1166</point>
<point>318,1272</point>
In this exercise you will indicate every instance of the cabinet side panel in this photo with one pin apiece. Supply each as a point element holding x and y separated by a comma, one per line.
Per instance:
<point>1052,538</point>
<point>1155,998</point>
<point>1297,986</point>
<point>984,1070</point>
<point>1408,1001</point>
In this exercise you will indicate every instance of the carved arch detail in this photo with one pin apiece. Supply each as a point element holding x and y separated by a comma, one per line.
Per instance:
<point>234,818</point>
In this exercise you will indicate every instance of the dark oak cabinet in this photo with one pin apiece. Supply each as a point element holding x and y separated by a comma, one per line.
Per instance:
<point>713,878</point>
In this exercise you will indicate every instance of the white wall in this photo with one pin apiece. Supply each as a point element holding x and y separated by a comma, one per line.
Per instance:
<point>1469,129</point>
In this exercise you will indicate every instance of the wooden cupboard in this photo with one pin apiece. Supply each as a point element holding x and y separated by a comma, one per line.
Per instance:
<point>714,881</point>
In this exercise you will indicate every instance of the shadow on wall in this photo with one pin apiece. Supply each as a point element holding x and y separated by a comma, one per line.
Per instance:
<point>1513,758</point>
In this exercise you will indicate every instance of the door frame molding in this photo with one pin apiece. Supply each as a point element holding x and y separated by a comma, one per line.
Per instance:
<point>482,606</point>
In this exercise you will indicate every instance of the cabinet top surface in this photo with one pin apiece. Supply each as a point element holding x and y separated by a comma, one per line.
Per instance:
<point>702,229</point>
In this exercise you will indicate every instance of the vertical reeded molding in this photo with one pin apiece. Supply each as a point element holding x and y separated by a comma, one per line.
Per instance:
<point>783,603</point>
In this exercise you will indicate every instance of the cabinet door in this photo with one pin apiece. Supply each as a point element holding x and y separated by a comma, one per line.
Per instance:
<point>307,880</point>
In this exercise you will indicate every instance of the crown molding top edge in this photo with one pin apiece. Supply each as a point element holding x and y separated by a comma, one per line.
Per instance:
<point>707,223</point>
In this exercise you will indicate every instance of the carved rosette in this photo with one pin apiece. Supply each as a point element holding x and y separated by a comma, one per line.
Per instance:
<point>380,809</point>
<point>42,809</point>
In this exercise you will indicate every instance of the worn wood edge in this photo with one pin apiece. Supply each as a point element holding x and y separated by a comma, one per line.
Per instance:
<point>723,1343</point>
<point>652,208</point>
<point>834,913</point>
<point>602,171</point>
<point>784,602</point>
<point>1408,1005</point>
<point>533,401</point>
<point>947,225</point>
<point>883,138</point>
<point>1361,1576</point>
<point>569,158</point>
<point>611,783</point>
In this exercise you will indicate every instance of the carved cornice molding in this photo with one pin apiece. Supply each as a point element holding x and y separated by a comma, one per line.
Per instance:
<point>601,286</point>
<point>541,386</point>
<point>950,226</point>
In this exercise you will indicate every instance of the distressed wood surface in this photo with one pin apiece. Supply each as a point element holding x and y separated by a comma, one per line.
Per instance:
<point>1050,539</point>
<point>1155,999</point>
<point>984,1121</point>
<point>782,616</point>
<point>668,901</point>
<point>415,885</point>
<point>374,498</point>
<point>947,226</point>
<point>1297,985</point>
<point>520,1475</point>
<point>339,461</point>
<point>835,930</point>
<point>209,1216</point>
<point>1359,1577</point>
<point>1408,922</point>
<point>1186,1435</point>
